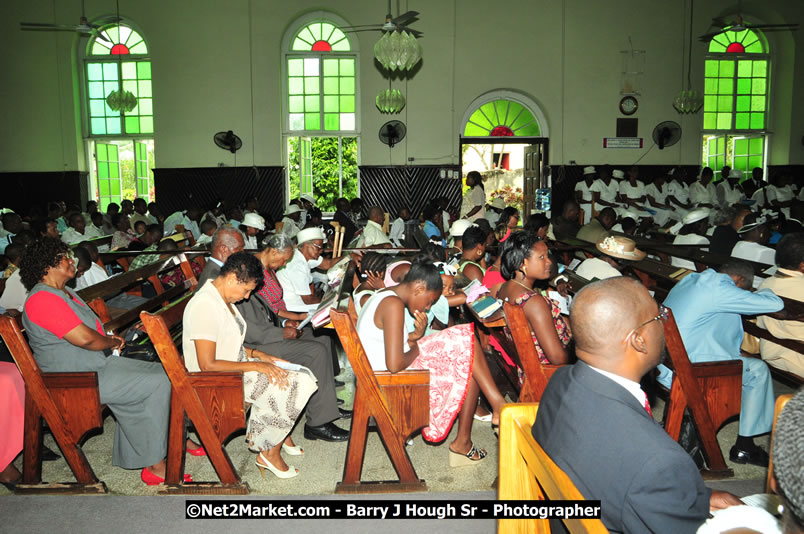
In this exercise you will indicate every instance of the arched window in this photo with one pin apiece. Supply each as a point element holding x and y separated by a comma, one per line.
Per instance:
<point>320,102</point>
<point>502,118</point>
<point>121,141</point>
<point>736,89</point>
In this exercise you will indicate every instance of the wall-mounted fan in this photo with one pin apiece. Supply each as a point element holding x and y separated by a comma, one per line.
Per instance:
<point>392,132</point>
<point>83,26</point>
<point>391,23</point>
<point>738,25</point>
<point>228,141</point>
<point>666,134</point>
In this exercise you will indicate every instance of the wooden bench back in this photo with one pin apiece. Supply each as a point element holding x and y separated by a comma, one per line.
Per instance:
<point>212,400</point>
<point>781,402</point>
<point>527,473</point>
<point>537,374</point>
<point>712,391</point>
<point>69,402</point>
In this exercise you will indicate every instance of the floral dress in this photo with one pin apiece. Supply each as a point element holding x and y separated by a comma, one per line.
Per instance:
<point>563,331</point>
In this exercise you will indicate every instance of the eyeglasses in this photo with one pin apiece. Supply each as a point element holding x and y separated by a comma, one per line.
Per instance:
<point>664,313</point>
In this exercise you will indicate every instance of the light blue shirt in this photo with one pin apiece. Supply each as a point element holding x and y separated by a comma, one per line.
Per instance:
<point>707,307</point>
<point>439,310</point>
<point>432,231</point>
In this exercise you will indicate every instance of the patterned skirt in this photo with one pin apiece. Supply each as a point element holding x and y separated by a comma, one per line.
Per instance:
<point>274,410</point>
<point>449,355</point>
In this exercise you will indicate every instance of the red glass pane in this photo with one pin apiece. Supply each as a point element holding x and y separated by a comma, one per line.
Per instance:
<point>502,131</point>
<point>119,50</point>
<point>322,46</point>
<point>736,48</point>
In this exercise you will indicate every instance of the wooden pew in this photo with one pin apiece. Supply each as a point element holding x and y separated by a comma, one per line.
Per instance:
<point>102,241</point>
<point>94,295</point>
<point>712,392</point>
<point>213,401</point>
<point>537,374</point>
<point>527,473</point>
<point>398,403</point>
<point>69,402</point>
<point>786,377</point>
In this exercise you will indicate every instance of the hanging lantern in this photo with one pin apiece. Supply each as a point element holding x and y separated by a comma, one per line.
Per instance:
<point>121,100</point>
<point>390,101</point>
<point>398,51</point>
<point>688,101</point>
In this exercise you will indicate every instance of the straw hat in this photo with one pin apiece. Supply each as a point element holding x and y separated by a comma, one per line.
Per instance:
<point>459,227</point>
<point>308,197</point>
<point>498,203</point>
<point>735,173</point>
<point>588,170</point>
<point>617,173</point>
<point>293,208</point>
<point>310,234</point>
<point>254,220</point>
<point>620,247</point>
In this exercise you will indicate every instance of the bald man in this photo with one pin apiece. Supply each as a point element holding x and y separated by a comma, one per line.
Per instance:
<point>595,423</point>
<point>373,235</point>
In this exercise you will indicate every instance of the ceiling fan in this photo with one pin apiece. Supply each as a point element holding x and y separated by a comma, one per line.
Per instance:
<point>391,23</point>
<point>83,26</point>
<point>738,25</point>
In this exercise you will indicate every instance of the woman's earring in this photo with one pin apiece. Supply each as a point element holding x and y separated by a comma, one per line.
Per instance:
<point>524,270</point>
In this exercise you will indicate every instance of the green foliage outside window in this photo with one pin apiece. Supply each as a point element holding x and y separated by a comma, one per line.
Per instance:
<point>327,166</point>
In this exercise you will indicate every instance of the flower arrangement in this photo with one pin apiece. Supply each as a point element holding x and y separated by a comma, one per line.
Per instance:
<point>512,196</point>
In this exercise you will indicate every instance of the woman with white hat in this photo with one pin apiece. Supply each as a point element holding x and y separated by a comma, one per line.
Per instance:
<point>691,231</point>
<point>493,211</point>
<point>584,193</point>
<point>754,237</point>
<point>290,222</point>
<point>252,225</point>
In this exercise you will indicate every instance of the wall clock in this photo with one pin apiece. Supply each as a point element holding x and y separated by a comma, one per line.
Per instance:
<point>628,105</point>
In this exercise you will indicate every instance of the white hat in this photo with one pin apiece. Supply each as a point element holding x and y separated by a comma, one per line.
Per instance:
<point>498,203</point>
<point>588,170</point>
<point>735,173</point>
<point>671,172</point>
<point>308,197</point>
<point>620,247</point>
<point>459,227</point>
<point>695,216</point>
<point>293,208</point>
<point>310,234</point>
<point>617,173</point>
<point>254,220</point>
<point>628,214</point>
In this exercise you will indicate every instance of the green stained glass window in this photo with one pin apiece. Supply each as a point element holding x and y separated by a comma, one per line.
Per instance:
<point>502,117</point>
<point>748,153</point>
<point>740,42</point>
<point>119,64</point>
<point>321,85</point>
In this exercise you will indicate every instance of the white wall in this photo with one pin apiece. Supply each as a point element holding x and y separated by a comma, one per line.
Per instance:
<point>564,55</point>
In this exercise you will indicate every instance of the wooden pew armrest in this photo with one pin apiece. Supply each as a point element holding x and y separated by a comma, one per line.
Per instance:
<point>70,380</point>
<point>216,378</point>
<point>407,377</point>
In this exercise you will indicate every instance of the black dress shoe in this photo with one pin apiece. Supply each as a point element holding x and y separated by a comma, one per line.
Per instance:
<point>756,456</point>
<point>326,432</point>
<point>339,383</point>
<point>345,414</point>
<point>48,455</point>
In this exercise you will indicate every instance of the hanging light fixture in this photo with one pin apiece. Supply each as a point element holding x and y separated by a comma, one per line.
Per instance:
<point>121,100</point>
<point>390,101</point>
<point>398,50</point>
<point>689,101</point>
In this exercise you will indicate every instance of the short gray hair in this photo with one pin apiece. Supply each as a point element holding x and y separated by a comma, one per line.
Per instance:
<point>725,216</point>
<point>225,235</point>
<point>278,241</point>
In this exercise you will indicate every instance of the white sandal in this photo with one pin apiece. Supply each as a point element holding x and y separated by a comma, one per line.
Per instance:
<point>290,473</point>
<point>296,450</point>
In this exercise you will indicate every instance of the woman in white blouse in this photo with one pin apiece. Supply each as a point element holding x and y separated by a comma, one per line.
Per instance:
<point>212,338</point>
<point>473,205</point>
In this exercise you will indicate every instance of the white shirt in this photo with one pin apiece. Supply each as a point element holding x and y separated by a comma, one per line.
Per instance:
<point>14,295</point>
<point>781,194</point>
<point>71,235</point>
<point>289,227</point>
<point>250,242</point>
<point>208,317</point>
<point>689,239</point>
<point>658,196</point>
<point>474,197</point>
<point>727,195</point>
<point>608,193</point>
<point>373,235</point>
<point>586,191</point>
<point>632,387</point>
<point>204,239</point>
<point>632,192</point>
<point>397,233</point>
<point>749,250</point>
<point>700,194</point>
<point>679,191</point>
<point>295,278</point>
<point>372,338</point>
<point>592,268</point>
<point>94,275</point>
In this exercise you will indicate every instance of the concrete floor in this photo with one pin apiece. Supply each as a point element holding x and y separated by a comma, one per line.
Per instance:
<point>321,467</point>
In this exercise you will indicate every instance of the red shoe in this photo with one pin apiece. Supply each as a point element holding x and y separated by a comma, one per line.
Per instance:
<point>151,479</point>
<point>197,452</point>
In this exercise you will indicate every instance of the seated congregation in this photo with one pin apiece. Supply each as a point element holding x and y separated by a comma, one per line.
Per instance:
<point>583,302</point>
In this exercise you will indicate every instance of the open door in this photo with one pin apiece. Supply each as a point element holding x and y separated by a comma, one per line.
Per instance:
<point>532,178</point>
<point>142,170</point>
<point>110,180</point>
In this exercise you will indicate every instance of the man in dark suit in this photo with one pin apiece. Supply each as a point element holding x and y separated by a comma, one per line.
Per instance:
<point>594,419</point>
<point>226,241</point>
